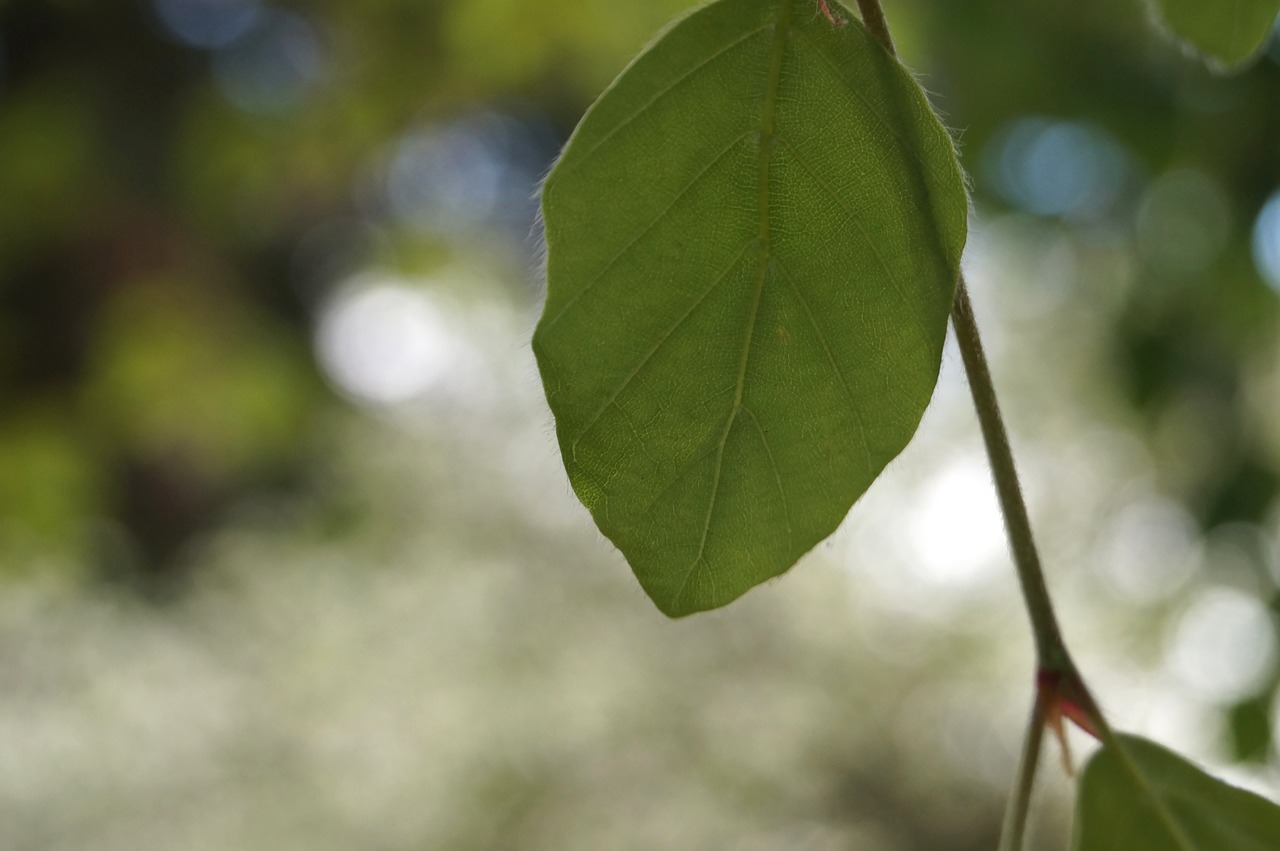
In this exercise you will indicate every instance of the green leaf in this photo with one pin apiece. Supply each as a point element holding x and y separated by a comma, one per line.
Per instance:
<point>1228,31</point>
<point>753,242</point>
<point>1137,796</point>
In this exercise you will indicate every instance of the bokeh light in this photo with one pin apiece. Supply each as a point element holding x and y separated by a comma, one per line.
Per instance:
<point>207,24</point>
<point>1152,549</point>
<point>1057,168</point>
<point>273,65</point>
<point>1266,241</point>
<point>1223,645</point>
<point>955,527</point>
<point>482,169</point>
<point>383,341</point>
<point>1184,220</point>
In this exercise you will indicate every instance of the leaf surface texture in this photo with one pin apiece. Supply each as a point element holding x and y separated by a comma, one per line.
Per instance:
<point>753,242</point>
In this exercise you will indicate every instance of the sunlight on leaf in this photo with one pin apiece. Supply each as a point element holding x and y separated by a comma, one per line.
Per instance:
<point>1137,796</point>
<point>1229,31</point>
<point>753,243</point>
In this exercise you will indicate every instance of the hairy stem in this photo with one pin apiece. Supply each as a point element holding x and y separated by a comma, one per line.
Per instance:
<point>1060,690</point>
<point>1050,649</point>
<point>1015,817</point>
<point>873,20</point>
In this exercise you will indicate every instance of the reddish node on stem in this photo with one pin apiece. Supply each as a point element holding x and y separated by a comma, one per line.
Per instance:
<point>1063,696</point>
<point>830,14</point>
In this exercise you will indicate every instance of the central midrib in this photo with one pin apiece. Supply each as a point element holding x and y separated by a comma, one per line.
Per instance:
<point>764,155</point>
<point>1163,813</point>
<point>764,159</point>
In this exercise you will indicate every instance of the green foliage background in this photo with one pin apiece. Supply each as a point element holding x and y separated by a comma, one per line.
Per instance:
<point>243,608</point>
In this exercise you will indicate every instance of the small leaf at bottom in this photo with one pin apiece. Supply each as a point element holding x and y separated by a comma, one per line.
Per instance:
<point>1138,796</point>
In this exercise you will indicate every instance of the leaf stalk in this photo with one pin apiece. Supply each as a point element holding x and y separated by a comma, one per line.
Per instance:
<point>873,19</point>
<point>1051,652</point>
<point>1014,829</point>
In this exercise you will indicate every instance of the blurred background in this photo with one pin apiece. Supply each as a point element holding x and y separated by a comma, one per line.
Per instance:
<point>287,557</point>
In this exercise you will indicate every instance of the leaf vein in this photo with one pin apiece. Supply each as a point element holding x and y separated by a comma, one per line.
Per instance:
<point>680,474</point>
<point>662,341</point>
<point>764,156</point>
<point>711,504</point>
<point>777,474</point>
<point>831,358</point>
<point>626,249</point>
<point>853,217</point>
<point>666,90</point>
<point>1171,822</point>
<point>903,144</point>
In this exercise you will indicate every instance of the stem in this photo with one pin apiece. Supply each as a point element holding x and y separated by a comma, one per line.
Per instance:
<point>873,20</point>
<point>1015,817</point>
<point>1059,686</point>
<point>1051,651</point>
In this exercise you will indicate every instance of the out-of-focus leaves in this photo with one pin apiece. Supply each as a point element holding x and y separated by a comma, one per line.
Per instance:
<point>49,480</point>
<point>499,43</point>
<point>1226,32</point>
<point>48,146</point>
<point>179,374</point>
<point>1249,724</point>
<point>1245,492</point>
<point>1137,796</point>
